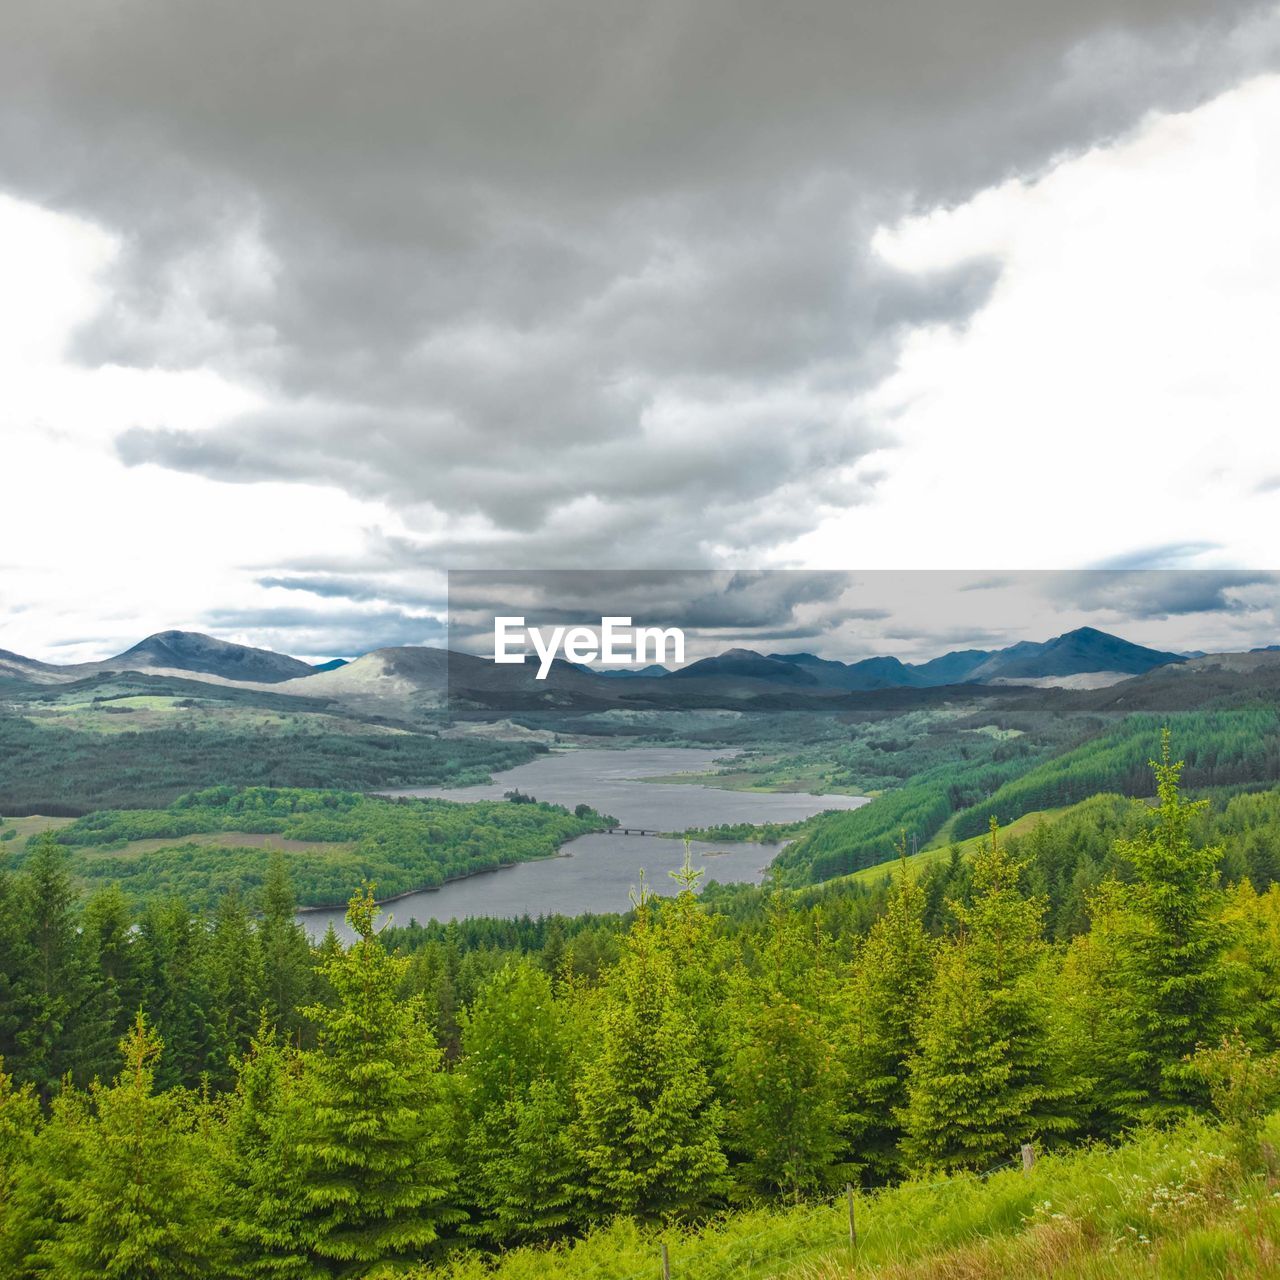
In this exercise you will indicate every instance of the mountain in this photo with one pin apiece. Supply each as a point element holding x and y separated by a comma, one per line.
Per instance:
<point>332,665</point>
<point>746,664</point>
<point>191,651</point>
<point>1075,652</point>
<point>869,673</point>
<point>16,667</point>
<point>1085,651</point>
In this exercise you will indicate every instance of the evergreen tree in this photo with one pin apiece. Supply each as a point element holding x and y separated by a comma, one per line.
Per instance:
<point>15,963</point>
<point>265,1204</point>
<point>515,1080</point>
<point>286,954</point>
<point>235,984</point>
<point>890,973</point>
<point>648,1130</point>
<point>19,1125</point>
<point>172,962</point>
<point>68,1013</point>
<point>1176,964</point>
<point>783,1080</point>
<point>987,1076</point>
<point>1098,1020</point>
<point>374,1132</point>
<point>138,1205</point>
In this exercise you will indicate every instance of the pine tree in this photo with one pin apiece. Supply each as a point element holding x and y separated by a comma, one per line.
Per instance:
<point>138,1206</point>
<point>783,1079</point>
<point>374,1133</point>
<point>286,954</point>
<point>648,1130</point>
<point>987,1076</point>
<point>174,974</point>
<point>235,984</point>
<point>1098,1021</point>
<point>19,1125</point>
<point>1176,965</point>
<point>891,971</point>
<point>69,1015</point>
<point>265,1203</point>
<point>40,1181</point>
<point>514,1075</point>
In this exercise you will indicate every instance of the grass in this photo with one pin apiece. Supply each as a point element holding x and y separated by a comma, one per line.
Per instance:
<point>15,832</point>
<point>1167,1204</point>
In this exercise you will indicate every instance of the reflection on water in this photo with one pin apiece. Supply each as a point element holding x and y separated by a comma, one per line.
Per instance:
<point>597,872</point>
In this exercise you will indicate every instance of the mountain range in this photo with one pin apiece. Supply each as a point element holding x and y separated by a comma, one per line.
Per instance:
<point>1083,651</point>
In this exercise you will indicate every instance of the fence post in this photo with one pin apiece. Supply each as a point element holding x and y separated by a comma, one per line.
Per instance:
<point>1028,1157</point>
<point>853,1226</point>
<point>666,1262</point>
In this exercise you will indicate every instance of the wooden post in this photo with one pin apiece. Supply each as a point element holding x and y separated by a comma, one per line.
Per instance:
<point>1028,1157</point>
<point>853,1226</point>
<point>666,1262</point>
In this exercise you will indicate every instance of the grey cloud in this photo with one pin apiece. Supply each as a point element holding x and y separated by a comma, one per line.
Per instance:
<point>336,586</point>
<point>595,273</point>
<point>328,632</point>
<point>1168,555</point>
<point>1164,593</point>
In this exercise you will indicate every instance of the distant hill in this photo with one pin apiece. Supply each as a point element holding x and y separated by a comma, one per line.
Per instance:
<point>746,664</point>
<point>1075,652</point>
<point>396,680</point>
<point>189,652</point>
<point>192,651</point>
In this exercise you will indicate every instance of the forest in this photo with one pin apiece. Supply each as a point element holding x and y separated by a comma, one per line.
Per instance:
<point>1230,748</point>
<point>203,1093</point>
<point>57,771</point>
<point>340,838</point>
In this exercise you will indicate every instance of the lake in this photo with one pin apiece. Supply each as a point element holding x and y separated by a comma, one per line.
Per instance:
<point>597,872</point>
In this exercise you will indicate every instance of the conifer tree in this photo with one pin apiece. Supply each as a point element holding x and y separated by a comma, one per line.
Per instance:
<point>15,962</point>
<point>374,1130</point>
<point>648,1130</point>
<point>514,1074</point>
<point>235,983</point>
<point>19,1125</point>
<point>265,1205</point>
<point>138,1206</point>
<point>1098,1019</point>
<point>783,1082</point>
<point>987,1076</point>
<point>1176,965</point>
<point>40,1178</point>
<point>68,1014</point>
<point>890,973</point>
<point>286,954</point>
<point>172,961</point>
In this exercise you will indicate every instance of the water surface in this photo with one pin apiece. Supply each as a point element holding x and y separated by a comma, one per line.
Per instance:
<point>597,873</point>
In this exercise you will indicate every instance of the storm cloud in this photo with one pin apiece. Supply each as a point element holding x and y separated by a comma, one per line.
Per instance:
<point>566,283</point>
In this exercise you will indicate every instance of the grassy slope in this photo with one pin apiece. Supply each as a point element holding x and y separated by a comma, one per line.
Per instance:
<point>937,852</point>
<point>1167,1204</point>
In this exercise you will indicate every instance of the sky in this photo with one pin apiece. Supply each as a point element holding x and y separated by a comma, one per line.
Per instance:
<point>304,310</point>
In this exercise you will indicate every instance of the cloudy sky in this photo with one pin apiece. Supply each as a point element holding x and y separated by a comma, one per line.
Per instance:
<point>305,304</point>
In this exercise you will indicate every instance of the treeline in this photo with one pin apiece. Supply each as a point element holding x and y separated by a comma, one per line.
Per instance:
<point>705,1068</point>
<point>1224,748</point>
<point>837,843</point>
<point>64,773</point>
<point>402,844</point>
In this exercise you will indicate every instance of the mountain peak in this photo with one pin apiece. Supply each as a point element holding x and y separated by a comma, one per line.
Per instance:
<point>197,652</point>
